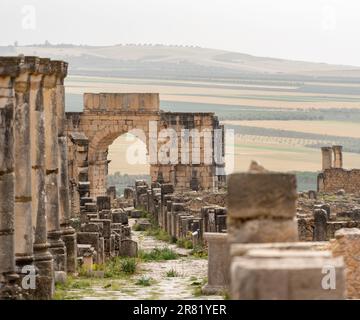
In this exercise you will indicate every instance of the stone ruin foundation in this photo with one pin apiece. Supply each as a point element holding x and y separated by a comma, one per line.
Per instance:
<point>333,176</point>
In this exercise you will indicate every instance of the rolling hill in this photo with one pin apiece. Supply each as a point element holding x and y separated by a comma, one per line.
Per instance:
<point>182,62</point>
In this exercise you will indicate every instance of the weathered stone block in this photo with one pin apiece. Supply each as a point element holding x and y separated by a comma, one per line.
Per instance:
<point>120,217</point>
<point>103,203</point>
<point>136,214</point>
<point>218,263</point>
<point>128,248</point>
<point>143,224</point>
<point>261,195</point>
<point>287,276</point>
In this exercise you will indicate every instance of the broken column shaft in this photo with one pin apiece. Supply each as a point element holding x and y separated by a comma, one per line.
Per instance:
<point>338,159</point>
<point>326,157</point>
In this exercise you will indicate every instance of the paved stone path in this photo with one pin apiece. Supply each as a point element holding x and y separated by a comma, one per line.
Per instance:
<point>190,272</point>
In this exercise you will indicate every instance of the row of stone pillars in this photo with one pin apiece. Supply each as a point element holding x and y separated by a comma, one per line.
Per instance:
<point>34,195</point>
<point>327,161</point>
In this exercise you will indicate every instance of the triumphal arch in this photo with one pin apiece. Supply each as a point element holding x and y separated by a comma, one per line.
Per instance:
<point>172,156</point>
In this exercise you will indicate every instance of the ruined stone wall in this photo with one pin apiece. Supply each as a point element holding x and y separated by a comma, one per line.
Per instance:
<point>195,171</point>
<point>334,179</point>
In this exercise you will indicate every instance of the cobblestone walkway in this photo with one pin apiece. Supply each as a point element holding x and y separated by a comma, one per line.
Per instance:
<point>190,274</point>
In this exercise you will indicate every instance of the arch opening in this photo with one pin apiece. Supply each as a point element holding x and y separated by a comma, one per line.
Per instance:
<point>127,158</point>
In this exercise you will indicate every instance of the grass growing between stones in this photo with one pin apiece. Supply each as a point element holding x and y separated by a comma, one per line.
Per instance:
<point>184,243</point>
<point>197,287</point>
<point>128,265</point>
<point>158,254</point>
<point>117,267</point>
<point>74,283</point>
<point>158,234</point>
<point>64,291</point>
<point>144,281</point>
<point>172,273</point>
<point>136,227</point>
<point>199,252</point>
<point>120,267</point>
<point>155,231</point>
<point>226,295</point>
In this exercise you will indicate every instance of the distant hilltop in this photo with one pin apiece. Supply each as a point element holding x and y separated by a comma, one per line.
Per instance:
<point>178,62</point>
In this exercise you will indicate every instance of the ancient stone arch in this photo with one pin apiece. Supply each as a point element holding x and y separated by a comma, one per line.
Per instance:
<point>107,116</point>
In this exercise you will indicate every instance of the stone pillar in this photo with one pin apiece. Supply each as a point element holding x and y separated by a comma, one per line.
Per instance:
<point>338,159</point>
<point>320,225</point>
<point>43,259</point>
<point>218,263</point>
<point>68,233</point>
<point>22,163</point>
<point>98,166</point>
<point>326,157</point>
<point>320,182</point>
<point>9,68</point>
<point>57,246</point>
<point>347,245</point>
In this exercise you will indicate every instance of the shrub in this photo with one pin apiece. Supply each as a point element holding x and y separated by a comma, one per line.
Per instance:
<point>172,273</point>
<point>144,281</point>
<point>184,243</point>
<point>158,234</point>
<point>136,227</point>
<point>158,254</point>
<point>128,265</point>
<point>199,252</point>
<point>118,267</point>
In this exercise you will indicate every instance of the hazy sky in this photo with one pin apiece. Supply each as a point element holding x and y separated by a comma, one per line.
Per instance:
<point>313,30</point>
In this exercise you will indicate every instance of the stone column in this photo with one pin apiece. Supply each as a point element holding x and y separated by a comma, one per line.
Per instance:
<point>98,165</point>
<point>68,233</point>
<point>338,159</point>
<point>218,263</point>
<point>9,68</point>
<point>326,157</point>
<point>22,163</point>
<point>43,259</point>
<point>57,246</point>
<point>320,225</point>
